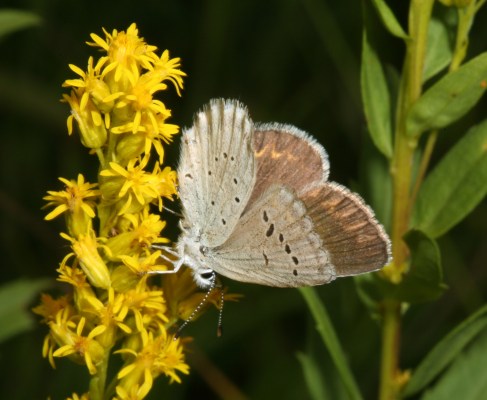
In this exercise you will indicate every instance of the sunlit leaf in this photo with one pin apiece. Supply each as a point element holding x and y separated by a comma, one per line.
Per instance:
<point>450,98</point>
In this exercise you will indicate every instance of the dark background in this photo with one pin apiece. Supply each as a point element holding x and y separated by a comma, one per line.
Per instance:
<point>292,61</point>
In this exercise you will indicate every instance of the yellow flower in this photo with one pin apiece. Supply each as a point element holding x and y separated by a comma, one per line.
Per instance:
<point>84,349</point>
<point>144,231</point>
<point>135,392</point>
<point>134,185</point>
<point>160,355</point>
<point>90,121</point>
<point>50,307</point>
<point>74,396</point>
<point>86,250</point>
<point>167,68</point>
<point>147,306</point>
<point>126,53</point>
<point>93,85</point>
<point>111,315</point>
<point>77,200</point>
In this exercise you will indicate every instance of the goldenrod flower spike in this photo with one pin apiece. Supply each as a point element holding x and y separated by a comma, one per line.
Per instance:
<point>112,225</point>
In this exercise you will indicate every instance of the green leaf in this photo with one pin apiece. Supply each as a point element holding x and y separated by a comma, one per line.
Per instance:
<point>439,47</point>
<point>14,299</point>
<point>466,379</point>
<point>455,186</point>
<point>450,98</point>
<point>15,20</point>
<point>388,19</point>
<point>376,98</point>
<point>313,377</point>
<point>376,182</point>
<point>445,352</point>
<point>423,283</point>
<point>330,340</point>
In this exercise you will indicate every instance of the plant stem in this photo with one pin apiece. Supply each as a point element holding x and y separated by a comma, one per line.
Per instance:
<point>401,170</point>
<point>390,349</point>
<point>97,382</point>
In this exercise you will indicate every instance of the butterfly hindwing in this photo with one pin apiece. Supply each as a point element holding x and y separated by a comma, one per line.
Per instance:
<point>274,244</point>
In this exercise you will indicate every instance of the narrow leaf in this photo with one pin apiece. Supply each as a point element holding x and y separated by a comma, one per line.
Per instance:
<point>450,98</point>
<point>445,352</point>
<point>455,186</point>
<point>376,98</point>
<point>330,340</point>
<point>439,47</point>
<point>14,20</point>
<point>388,19</point>
<point>466,379</point>
<point>14,299</point>
<point>313,377</point>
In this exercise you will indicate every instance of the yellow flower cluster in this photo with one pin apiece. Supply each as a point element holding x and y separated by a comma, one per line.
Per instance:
<point>113,310</point>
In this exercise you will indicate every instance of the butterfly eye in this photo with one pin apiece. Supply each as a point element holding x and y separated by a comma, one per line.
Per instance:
<point>207,276</point>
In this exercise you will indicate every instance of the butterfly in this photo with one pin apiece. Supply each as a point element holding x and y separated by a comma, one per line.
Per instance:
<point>258,207</point>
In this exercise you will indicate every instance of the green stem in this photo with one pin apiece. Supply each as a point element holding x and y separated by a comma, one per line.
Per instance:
<point>390,350</point>
<point>98,381</point>
<point>401,170</point>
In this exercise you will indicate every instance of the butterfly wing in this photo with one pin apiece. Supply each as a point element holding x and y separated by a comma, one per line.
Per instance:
<point>355,240</point>
<point>216,170</point>
<point>288,156</point>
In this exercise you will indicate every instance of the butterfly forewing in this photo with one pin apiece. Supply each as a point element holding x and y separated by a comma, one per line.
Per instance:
<point>216,170</point>
<point>287,155</point>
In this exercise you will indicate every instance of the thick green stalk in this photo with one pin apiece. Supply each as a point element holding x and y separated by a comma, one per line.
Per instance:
<point>405,146</point>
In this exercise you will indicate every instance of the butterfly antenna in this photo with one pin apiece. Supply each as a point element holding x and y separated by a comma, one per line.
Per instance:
<point>219,330</point>
<point>198,307</point>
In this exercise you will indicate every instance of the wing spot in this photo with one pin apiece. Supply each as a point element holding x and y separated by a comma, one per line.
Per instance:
<point>235,181</point>
<point>216,158</point>
<point>223,221</point>
<point>189,176</point>
<point>237,199</point>
<point>288,249</point>
<point>265,217</point>
<point>232,158</point>
<point>295,260</point>
<point>266,259</point>
<point>281,238</point>
<point>225,155</point>
<point>270,231</point>
<point>295,272</point>
<point>209,172</point>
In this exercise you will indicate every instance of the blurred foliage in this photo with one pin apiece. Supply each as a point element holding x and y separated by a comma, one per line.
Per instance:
<point>293,61</point>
